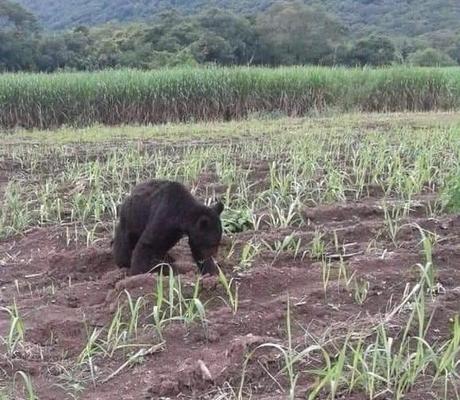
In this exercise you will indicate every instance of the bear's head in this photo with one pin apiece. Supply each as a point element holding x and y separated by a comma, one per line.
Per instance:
<point>205,235</point>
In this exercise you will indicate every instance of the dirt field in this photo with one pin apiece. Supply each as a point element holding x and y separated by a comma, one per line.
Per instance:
<point>349,264</point>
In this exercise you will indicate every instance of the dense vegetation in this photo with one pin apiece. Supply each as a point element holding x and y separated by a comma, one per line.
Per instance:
<point>258,33</point>
<point>187,94</point>
<point>393,17</point>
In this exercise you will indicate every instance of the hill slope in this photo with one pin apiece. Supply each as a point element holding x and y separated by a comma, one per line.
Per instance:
<point>392,17</point>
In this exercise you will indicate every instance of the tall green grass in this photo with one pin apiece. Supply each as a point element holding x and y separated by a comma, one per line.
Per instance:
<point>129,96</point>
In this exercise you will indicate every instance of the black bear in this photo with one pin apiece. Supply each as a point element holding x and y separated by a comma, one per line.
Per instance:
<point>154,217</point>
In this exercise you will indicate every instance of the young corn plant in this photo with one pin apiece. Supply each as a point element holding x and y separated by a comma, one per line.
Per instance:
<point>194,309</point>
<point>117,333</point>
<point>281,180</point>
<point>16,331</point>
<point>166,303</point>
<point>318,246</point>
<point>448,360</point>
<point>282,217</point>
<point>333,375</point>
<point>289,243</point>
<point>93,348</point>
<point>122,330</point>
<point>289,355</point>
<point>334,187</point>
<point>382,366</point>
<point>392,221</point>
<point>360,290</point>
<point>248,254</point>
<point>27,385</point>
<point>343,274</point>
<point>428,270</point>
<point>15,214</point>
<point>170,304</point>
<point>134,308</point>
<point>232,293</point>
<point>325,274</point>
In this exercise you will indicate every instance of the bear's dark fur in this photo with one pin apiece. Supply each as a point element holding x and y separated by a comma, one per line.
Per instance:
<point>154,217</point>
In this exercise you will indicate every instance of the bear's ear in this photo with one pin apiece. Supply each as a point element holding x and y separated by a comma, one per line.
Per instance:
<point>218,207</point>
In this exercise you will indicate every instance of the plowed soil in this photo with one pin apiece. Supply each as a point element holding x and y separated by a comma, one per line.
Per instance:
<point>64,292</point>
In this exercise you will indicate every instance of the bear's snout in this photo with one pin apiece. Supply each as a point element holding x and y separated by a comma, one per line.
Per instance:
<point>210,252</point>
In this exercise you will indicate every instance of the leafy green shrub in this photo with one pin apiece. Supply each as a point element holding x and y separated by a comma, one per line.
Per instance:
<point>451,194</point>
<point>238,220</point>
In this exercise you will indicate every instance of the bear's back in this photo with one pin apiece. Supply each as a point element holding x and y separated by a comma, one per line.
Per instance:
<point>148,188</point>
<point>155,193</point>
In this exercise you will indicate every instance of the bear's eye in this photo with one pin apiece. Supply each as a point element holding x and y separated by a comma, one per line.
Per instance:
<point>203,223</point>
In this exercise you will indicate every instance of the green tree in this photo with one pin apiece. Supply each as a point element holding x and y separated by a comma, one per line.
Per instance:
<point>171,32</point>
<point>14,17</point>
<point>17,44</point>
<point>430,58</point>
<point>52,53</point>
<point>454,49</point>
<point>211,48</point>
<point>227,38</point>
<point>375,50</point>
<point>292,33</point>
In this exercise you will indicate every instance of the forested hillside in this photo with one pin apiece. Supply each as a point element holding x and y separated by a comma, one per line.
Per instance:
<point>98,34</point>
<point>391,17</point>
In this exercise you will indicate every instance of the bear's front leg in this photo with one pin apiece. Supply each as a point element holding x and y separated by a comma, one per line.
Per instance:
<point>144,259</point>
<point>122,247</point>
<point>152,248</point>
